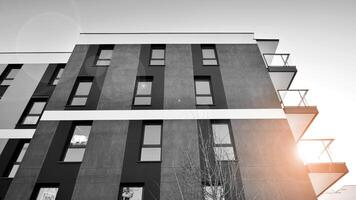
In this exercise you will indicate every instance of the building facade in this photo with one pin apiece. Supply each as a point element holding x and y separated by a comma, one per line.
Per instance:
<point>122,115</point>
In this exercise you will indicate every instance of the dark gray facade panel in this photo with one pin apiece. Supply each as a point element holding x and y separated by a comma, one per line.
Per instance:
<point>179,78</point>
<point>64,88</point>
<point>179,142</point>
<point>120,79</point>
<point>22,185</point>
<point>268,162</point>
<point>179,137</point>
<point>246,80</point>
<point>100,172</point>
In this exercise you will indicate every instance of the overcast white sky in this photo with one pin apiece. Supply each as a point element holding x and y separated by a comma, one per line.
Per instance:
<point>320,34</point>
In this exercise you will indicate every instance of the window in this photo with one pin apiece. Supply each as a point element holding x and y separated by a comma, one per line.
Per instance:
<point>157,55</point>
<point>151,144</point>
<point>209,55</point>
<point>33,112</point>
<point>9,74</point>
<point>213,192</point>
<point>18,161</point>
<point>57,75</point>
<point>203,94</point>
<point>143,91</point>
<point>76,147</point>
<point>131,192</point>
<point>81,92</point>
<point>46,192</point>
<point>104,57</point>
<point>223,147</point>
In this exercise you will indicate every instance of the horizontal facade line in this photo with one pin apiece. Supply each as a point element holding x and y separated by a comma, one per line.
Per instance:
<point>157,33</point>
<point>184,114</point>
<point>34,52</point>
<point>167,38</point>
<point>16,133</point>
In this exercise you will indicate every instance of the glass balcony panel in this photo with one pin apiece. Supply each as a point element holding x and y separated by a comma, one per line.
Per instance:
<point>293,97</point>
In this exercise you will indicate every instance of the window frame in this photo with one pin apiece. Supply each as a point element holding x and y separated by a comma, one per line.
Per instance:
<point>55,75</point>
<point>205,185</point>
<point>131,185</point>
<point>15,157</point>
<point>147,146</point>
<point>26,113</point>
<point>69,138</point>
<point>38,187</point>
<point>75,88</point>
<point>7,71</point>
<point>97,57</point>
<point>203,79</point>
<point>232,143</point>
<point>157,47</point>
<point>209,46</point>
<point>142,79</point>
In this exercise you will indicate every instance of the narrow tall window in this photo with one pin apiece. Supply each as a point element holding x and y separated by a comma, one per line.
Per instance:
<point>157,55</point>
<point>151,144</point>
<point>76,147</point>
<point>33,112</point>
<point>9,74</point>
<point>143,94</point>
<point>104,58</point>
<point>209,55</point>
<point>223,147</point>
<point>203,94</point>
<point>18,161</point>
<point>57,75</point>
<point>81,92</point>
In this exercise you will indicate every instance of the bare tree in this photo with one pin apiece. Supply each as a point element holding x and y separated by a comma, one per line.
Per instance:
<point>219,180</point>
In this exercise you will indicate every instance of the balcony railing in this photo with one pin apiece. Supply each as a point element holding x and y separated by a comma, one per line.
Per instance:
<point>315,150</point>
<point>277,60</point>
<point>295,98</point>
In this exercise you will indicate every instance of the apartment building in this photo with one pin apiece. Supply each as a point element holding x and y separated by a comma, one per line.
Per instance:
<point>122,115</point>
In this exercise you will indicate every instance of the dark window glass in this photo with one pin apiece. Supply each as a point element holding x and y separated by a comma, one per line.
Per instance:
<point>143,94</point>
<point>18,161</point>
<point>33,112</point>
<point>203,94</point>
<point>151,145</point>
<point>223,147</point>
<point>209,55</point>
<point>157,55</point>
<point>104,57</point>
<point>9,75</point>
<point>76,148</point>
<point>57,75</point>
<point>81,93</point>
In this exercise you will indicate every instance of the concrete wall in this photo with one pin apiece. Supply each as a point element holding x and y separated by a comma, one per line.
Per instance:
<point>23,183</point>
<point>246,81</point>
<point>26,177</point>
<point>179,78</point>
<point>65,85</point>
<point>180,138</point>
<point>17,95</point>
<point>267,154</point>
<point>100,172</point>
<point>2,67</point>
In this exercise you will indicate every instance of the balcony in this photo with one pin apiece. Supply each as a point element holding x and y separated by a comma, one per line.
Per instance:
<point>298,112</point>
<point>280,69</point>
<point>323,170</point>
